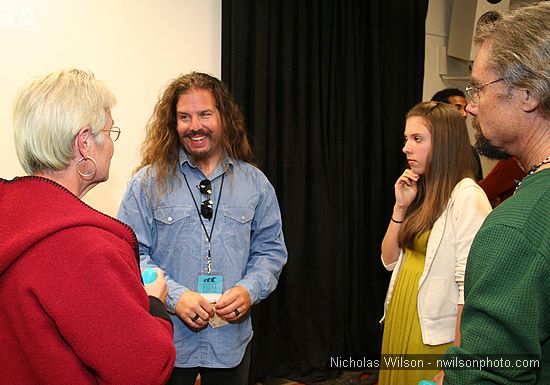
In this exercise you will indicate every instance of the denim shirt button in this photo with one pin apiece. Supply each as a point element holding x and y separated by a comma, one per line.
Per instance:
<point>169,219</point>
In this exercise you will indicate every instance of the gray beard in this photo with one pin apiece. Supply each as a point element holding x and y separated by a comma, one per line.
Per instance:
<point>485,148</point>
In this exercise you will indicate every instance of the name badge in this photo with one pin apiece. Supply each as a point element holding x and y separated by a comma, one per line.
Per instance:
<point>210,287</point>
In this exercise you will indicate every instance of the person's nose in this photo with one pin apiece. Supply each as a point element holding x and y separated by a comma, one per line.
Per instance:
<point>471,108</point>
<point>195,124</point>
<point>406,148</point>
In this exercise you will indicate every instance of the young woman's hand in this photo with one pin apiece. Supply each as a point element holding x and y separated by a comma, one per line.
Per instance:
<point>406,189</point>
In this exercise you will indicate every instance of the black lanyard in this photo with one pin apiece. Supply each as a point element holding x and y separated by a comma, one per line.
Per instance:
<point>208,236</point>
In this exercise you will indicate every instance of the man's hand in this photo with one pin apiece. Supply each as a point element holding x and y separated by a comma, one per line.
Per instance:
<point>233,304</point>
<point>194,310</point>
<point>438,378</point>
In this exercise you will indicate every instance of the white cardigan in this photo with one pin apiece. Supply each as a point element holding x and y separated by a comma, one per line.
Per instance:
<point>441,286</point>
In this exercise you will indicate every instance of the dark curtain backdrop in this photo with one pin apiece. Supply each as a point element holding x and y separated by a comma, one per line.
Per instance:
<point>324,86</point>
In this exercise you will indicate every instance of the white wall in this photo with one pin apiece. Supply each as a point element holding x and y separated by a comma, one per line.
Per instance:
<point>437,31</point>
<point>136,46</point>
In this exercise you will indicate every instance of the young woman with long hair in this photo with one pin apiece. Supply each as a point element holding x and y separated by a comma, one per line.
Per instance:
<point>438,210</point>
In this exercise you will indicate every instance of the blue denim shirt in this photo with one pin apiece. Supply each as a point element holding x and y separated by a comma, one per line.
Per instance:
<point>247,247</point>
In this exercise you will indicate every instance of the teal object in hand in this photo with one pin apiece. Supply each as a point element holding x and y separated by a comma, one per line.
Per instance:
<point>148,275</point>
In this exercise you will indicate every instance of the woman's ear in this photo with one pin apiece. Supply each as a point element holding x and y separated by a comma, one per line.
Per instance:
<point>83,140</point>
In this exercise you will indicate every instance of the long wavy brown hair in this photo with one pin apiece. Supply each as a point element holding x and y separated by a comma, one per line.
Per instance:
<point>451,160</point>
<point>161,146</point>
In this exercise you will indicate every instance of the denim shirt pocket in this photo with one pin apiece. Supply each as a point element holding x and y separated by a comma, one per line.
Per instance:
<point>238,221</point>
<point>172,224</point>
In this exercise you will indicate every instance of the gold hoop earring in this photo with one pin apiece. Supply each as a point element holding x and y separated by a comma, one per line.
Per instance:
<point>86,175</point>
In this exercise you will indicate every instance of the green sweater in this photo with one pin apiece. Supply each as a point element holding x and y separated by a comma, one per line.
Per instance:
<point>507,293</point>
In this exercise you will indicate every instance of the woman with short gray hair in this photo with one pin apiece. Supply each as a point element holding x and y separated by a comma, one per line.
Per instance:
<point>73,307</point>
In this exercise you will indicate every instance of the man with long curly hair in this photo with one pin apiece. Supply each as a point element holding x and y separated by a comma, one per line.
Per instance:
<point>208,217</point>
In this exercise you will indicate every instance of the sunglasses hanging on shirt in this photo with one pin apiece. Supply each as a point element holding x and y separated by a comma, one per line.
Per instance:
<point>207,206</point>
<point>206,211</point>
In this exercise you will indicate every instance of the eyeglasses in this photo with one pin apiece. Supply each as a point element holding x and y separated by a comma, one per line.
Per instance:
<point>114,133</point>
<point>473,91</point>
<point>207,206</point>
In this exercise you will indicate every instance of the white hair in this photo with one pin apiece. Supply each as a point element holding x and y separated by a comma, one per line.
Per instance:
<point>50,110</point>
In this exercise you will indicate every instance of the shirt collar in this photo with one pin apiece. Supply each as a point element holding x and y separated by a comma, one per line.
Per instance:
<point>226,163</point>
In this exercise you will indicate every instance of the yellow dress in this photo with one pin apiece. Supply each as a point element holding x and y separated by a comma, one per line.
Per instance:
<point>402,334</point>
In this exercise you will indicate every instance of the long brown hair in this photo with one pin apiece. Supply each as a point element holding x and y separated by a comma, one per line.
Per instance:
<point>449,161</point>
<point>161,146</point>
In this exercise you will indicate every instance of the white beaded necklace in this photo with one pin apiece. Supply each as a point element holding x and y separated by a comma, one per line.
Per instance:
<point>534,169</point>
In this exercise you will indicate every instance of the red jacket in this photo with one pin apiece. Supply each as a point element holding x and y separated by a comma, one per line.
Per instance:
<point>72,307</point>
<point>500,183</point>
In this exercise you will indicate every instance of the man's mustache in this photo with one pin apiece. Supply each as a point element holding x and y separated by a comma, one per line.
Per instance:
<point>198,133</point>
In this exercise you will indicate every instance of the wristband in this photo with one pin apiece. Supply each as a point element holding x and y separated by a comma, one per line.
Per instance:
<point>394,221</point>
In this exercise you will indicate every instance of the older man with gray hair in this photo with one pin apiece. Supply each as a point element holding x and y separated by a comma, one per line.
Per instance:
<point>505,325</point>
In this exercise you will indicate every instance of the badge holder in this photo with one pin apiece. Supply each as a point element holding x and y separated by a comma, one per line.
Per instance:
<point>211,288</point>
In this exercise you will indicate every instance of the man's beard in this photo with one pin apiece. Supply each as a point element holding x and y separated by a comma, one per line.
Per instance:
<point>484,147</point>
<point>197,156</point>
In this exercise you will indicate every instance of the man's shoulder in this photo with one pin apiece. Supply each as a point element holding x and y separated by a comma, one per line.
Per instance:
<point>243,165</point>
<point>245,168</point>
<point>146,171</point>
<point>520,220</point>
<point>145,178</point>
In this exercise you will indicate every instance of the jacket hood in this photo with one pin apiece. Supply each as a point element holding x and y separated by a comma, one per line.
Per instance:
<point>32,208</point>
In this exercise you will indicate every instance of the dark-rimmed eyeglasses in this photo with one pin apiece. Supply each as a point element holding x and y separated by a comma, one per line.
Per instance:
<point>114,133</point>
<point>207,206</point>
<point>473,91</point>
